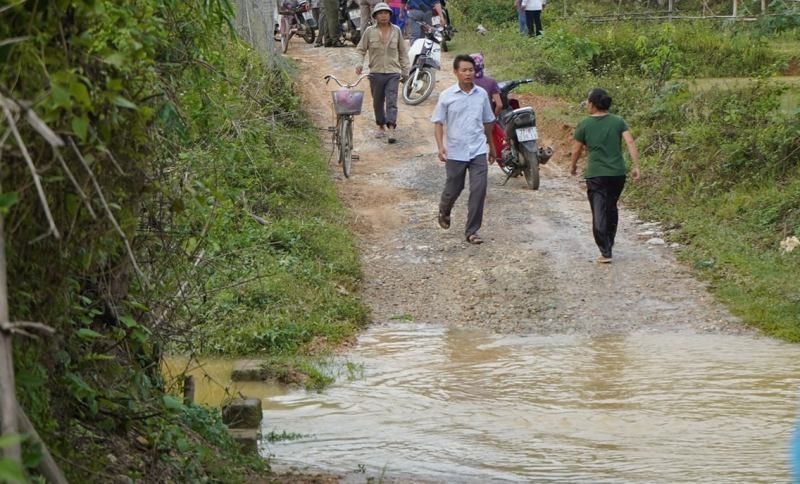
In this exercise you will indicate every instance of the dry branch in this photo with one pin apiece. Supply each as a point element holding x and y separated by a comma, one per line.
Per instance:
<point>180,293</point>
<point>13,40</point>
<point>109,213</point>
<point>8,7</point>
<point>34,120</point>
<point>8,396</point>
<point>113,160</point>
<point>71,177</point>
<point>25,325</point>
<point>42,198</point>
<point>47,466</point>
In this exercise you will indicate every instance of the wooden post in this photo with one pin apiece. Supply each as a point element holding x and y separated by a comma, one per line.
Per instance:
<point>735,9</point>
<point>8,392</point>
<point>188,390</point>
<point>763,7</point>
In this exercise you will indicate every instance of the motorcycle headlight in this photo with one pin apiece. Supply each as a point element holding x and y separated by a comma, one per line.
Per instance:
<point>437,36</point>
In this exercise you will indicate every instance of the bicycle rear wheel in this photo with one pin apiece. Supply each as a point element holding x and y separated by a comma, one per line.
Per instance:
<point>346,145</point>
<point>286,35</point>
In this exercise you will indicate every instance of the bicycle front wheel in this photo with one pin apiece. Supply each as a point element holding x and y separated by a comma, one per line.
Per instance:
<point>346,145</point>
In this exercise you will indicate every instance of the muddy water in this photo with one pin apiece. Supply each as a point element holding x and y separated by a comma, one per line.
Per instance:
<point>456,405</point>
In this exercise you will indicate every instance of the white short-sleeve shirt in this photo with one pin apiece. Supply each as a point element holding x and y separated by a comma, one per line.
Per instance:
<point>463,114</point>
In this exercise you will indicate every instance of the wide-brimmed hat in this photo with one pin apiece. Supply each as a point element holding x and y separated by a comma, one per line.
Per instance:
<point>381,7</point>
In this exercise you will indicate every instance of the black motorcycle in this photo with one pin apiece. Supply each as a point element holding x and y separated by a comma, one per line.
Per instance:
<point>516,138</point>
<point>350,21</point>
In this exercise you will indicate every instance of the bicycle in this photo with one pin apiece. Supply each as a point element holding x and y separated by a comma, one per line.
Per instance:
<point>346,104</point>
<point>296,18</point>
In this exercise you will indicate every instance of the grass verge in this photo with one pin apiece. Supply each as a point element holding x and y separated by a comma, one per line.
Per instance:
<point>720,165</point>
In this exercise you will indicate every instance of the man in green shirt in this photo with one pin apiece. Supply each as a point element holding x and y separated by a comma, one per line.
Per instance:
<point>601,134</point>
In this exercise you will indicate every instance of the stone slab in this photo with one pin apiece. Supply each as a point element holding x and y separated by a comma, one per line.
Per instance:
<point>248,370</point>
<point>242,413</point>
<point>247,439</point>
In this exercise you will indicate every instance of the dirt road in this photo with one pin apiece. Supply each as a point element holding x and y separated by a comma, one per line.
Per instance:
<point>536,271</point>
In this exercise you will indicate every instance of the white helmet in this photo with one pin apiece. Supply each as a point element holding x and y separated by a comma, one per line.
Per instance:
<point>381,7</point>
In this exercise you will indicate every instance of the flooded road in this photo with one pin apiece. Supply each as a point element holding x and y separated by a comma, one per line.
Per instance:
<point>455,405</point>
<point>534,364</point>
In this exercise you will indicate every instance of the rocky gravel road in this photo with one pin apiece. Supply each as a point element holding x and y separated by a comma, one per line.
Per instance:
<point>536,271</point>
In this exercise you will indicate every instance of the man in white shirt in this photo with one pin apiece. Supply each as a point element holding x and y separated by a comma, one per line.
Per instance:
<point>533,15</point>
<point>465,111</point>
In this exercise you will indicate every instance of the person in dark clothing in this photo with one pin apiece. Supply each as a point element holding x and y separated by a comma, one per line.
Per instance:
<point>533,16</point>
<point>487,83</point>
<point>421,11</point>
<point>328,23</point>
<point>601,134</point>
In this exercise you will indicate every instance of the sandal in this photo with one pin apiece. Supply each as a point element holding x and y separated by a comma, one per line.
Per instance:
<point>474,239</point>
<point>444,221</point>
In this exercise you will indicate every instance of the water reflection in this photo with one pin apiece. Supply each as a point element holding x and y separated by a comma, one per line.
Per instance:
<point>213,385</point>
<point>457,405</point>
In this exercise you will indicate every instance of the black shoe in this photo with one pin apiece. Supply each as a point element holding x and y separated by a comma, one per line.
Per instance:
<point>444,221</point>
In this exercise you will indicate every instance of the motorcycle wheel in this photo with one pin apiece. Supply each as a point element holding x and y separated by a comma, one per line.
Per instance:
<point>531,170</point>
<point>355,37</point>
<point>419,86</point>
<point>445,48</point>
<point>309,35</point>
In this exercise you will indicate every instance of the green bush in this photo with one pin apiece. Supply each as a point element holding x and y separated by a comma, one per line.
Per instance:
<point>490,13</point>
<point>204,160</point>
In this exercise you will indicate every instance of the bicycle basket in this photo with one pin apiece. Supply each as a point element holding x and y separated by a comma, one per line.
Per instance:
<point>347,101</point>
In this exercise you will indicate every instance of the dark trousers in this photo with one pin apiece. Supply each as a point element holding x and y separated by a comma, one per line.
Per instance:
<point>330,21</point>
<point>384,89</point>
<point>533,18</point>
<point>603,193</point>
<point>456,173</point>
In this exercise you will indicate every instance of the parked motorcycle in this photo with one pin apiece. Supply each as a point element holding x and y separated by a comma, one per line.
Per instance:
<point>349,22</point>
<point>424,55</point>
<point>296,18</point>
<point>516,138</point>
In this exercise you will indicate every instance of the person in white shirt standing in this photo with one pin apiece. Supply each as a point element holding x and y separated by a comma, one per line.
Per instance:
<point>533,15</point>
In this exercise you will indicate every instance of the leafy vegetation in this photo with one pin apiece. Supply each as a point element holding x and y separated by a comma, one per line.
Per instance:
<point>198,152</point>
<point>720,164</point>
<point>250,223</point>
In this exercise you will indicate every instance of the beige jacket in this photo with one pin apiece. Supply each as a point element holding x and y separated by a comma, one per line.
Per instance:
<point>391,58</point>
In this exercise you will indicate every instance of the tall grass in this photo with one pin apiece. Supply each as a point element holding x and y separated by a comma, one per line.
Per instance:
<point>720,165</point>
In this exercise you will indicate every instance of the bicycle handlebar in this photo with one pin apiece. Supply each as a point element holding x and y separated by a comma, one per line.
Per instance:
<point>344,84</point>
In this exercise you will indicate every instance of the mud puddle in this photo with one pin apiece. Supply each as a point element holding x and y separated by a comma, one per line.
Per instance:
<point>440,404</point>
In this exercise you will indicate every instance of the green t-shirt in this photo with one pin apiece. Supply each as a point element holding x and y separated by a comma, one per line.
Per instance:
<point>602,136</point>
